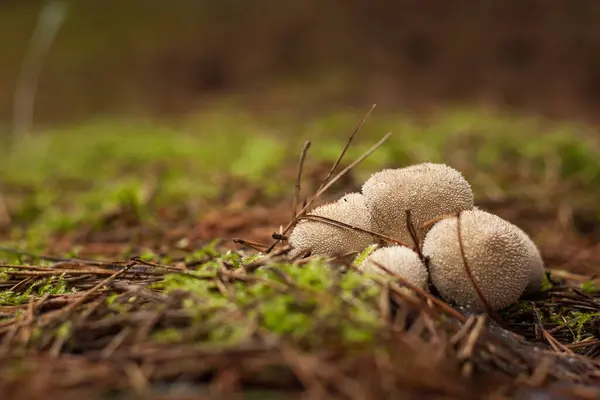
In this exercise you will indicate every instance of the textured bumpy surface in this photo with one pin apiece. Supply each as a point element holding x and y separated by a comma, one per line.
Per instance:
<point>501,257</point>
<point>429,190</point>
<point>400,260</point>
<point>326,239</point>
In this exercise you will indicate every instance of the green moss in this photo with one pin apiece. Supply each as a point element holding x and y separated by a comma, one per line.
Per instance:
<point>11,298</point>
<point>53,286</point>
<point>546,283</point>
<point>140,166</point>
<point>64,330</point>
<point>589,287</point>
<point>583,319</point>
<point>286,300</point>
<point>168,335</point>
<point>40,287</point>
<point>207,252</point>
<point>578,321</point>
<point>365,253</point>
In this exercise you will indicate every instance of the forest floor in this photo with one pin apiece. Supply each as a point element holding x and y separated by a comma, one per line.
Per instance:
<point>121,278</point>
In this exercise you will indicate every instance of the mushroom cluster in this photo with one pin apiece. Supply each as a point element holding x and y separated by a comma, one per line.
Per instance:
<point>430,230</point>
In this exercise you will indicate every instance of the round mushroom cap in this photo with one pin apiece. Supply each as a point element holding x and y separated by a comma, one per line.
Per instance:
<point>399,260</point>
<point>538,270</point>
<point>322,238</point>
<point>428,190</point>
<point>499,255</point>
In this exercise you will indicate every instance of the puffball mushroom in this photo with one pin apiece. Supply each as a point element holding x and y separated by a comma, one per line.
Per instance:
<point>323,238</point>
<point>428,190</point>
<point>538,270</point>
<point>500,256</point>
<point>399,260</point>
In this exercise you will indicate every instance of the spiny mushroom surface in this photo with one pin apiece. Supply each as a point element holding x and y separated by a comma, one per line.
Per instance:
<point>428,190</point>
<point>500,256</point>
<point>325,239</point>
<point>538,270</point>
<point>399,260</point>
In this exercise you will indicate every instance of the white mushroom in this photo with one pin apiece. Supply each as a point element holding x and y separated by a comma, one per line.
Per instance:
<point>428,190</point>
<point>399,260</point>
<point>322,238</point>
<point>500,256</point>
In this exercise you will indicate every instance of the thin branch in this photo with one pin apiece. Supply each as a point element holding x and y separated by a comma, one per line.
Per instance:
<point>72,306</point>
<point>344,225</point>
<point>58,259</point>
<point>347,146</point>
<point>413,234</point>
<point>350,167</point>
<point>442,305</point>
<point>279,236</point>
<point>486,304</point>
<point>433,221</point>
<point>299,177</point>
<point>253,245</point>
<point>331,182</point>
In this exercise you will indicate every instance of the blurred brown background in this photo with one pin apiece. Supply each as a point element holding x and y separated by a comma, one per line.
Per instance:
<point>167,57</point>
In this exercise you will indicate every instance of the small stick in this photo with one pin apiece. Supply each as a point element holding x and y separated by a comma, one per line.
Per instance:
<point>467,351</point>
<point>540,373</point>
<point>340,224</point>
<point>60,259</point>
<point>252,245</point>
<point>57,272</point>
<point>115,342</point>
<point>349,167</point>
<point>97,287</point>
<point>384,303</point>
<point>486,305</point>
<point>347,146</point>
<point>445,307</point>
<point>555,344</point>
<point>279,236</point>
<point>435,220</point>
<point>331,182</point>
<point>299,178</point>
<point>464,329</point>
<point>413,234</point>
